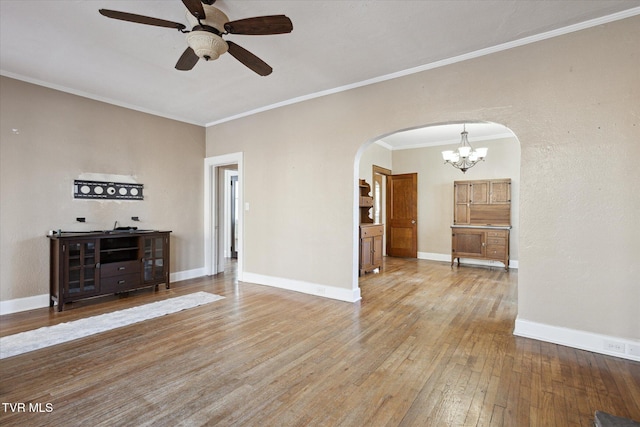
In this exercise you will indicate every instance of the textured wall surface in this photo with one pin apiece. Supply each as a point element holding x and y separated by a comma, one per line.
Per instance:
<point>572,101</point>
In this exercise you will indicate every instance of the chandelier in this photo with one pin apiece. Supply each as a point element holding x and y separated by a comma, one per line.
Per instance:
<point>465,156</point>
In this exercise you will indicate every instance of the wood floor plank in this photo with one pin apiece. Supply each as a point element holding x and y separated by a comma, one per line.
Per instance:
<point>427,345</point>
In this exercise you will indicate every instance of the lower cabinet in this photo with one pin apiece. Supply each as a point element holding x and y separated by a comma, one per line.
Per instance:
<point>485,243</point>
<point>85,265</point>
<point>119,276</point>
<point>370,247</point>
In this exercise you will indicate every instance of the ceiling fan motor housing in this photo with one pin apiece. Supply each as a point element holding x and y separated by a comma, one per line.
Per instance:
<point>214,17</point>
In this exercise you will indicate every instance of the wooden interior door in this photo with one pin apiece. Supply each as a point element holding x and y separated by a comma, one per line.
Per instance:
<point>402,215</point>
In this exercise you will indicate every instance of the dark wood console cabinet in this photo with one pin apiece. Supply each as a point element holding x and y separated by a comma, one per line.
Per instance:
<point>91,264</point>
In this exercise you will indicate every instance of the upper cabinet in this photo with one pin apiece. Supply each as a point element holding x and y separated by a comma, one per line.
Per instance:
<point>366,202</point>
<point>482,202</point>
<point>500,191</point>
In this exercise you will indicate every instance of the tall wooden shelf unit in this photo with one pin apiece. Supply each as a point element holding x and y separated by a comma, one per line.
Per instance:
<point>370,233</point>
<point>91,264</point>
<point>481,220</point>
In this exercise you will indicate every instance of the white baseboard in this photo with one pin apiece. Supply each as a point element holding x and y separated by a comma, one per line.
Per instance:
<point>187,274</point>
<point>597,343</point>
<point>348,295</point>
<point>41,301</point>
<point>470,261</point>
<point>24,304</point>
<point>434,257</point>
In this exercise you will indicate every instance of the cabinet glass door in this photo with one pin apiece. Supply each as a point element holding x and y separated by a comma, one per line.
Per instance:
<point>82,268</point>
<point>154,259</point>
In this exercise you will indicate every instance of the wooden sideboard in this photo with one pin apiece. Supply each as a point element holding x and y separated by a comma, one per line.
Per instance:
<point>91,264</point>
<point>481,220</point>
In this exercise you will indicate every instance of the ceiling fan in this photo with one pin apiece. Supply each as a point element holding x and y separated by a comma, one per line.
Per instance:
<point>208,25</point>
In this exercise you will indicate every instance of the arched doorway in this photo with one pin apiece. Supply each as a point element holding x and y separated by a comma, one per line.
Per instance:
<point>419,150</point>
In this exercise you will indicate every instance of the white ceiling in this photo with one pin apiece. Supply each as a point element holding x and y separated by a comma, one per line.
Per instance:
<point>335,45</point>
<point>445,134</point>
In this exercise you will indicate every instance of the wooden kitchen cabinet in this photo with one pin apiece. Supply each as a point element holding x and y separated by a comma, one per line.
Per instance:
<point>365,202</point>
<point>484,243</point>
<point>91,264</point>
<point>370,247</point>
<point>482,202</point>
<point>481,220</point>
<point>371,235</point>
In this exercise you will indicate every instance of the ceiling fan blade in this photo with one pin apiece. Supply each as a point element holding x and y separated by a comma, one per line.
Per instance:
<point>195,8</point>
<point>249,59</point>
<point>140,19</point>
<point>260,25</point>
<point>187,60</point>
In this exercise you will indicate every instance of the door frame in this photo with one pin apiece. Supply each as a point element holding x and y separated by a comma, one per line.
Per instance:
<point>213,213</point>
<point>231,208</point>
<point>384,172</point>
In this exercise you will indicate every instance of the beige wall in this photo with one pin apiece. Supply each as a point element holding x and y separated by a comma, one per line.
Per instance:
<point>572,101</point>
<point>374,154</point>
<point>62,136</point>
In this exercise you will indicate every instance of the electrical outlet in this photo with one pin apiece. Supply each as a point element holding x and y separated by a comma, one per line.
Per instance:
<point>615,346</point>
<point>634,349</point>
<point>320,290</point>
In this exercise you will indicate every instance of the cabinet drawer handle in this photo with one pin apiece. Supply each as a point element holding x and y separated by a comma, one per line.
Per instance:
<point>121,268</point>
<point>120,282</point>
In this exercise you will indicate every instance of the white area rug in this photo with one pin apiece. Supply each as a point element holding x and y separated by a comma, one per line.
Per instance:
<point>24,342</point>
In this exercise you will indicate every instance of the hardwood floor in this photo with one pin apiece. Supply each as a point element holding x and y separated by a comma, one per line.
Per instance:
<point>427,346</point>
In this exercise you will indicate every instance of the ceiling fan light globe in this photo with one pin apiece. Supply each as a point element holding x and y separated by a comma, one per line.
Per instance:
<point>207,45</point>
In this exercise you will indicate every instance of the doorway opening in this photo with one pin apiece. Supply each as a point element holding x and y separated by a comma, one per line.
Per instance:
<point>223,213</point>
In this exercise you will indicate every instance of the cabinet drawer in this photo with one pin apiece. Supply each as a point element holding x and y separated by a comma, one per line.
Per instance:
<point>120,283</point>
<point>498,252</point>
<point>371,231</point>
<point>119,268</point>
<point>497,233</point>
<point>366,201</point>
<point>497,241</point>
